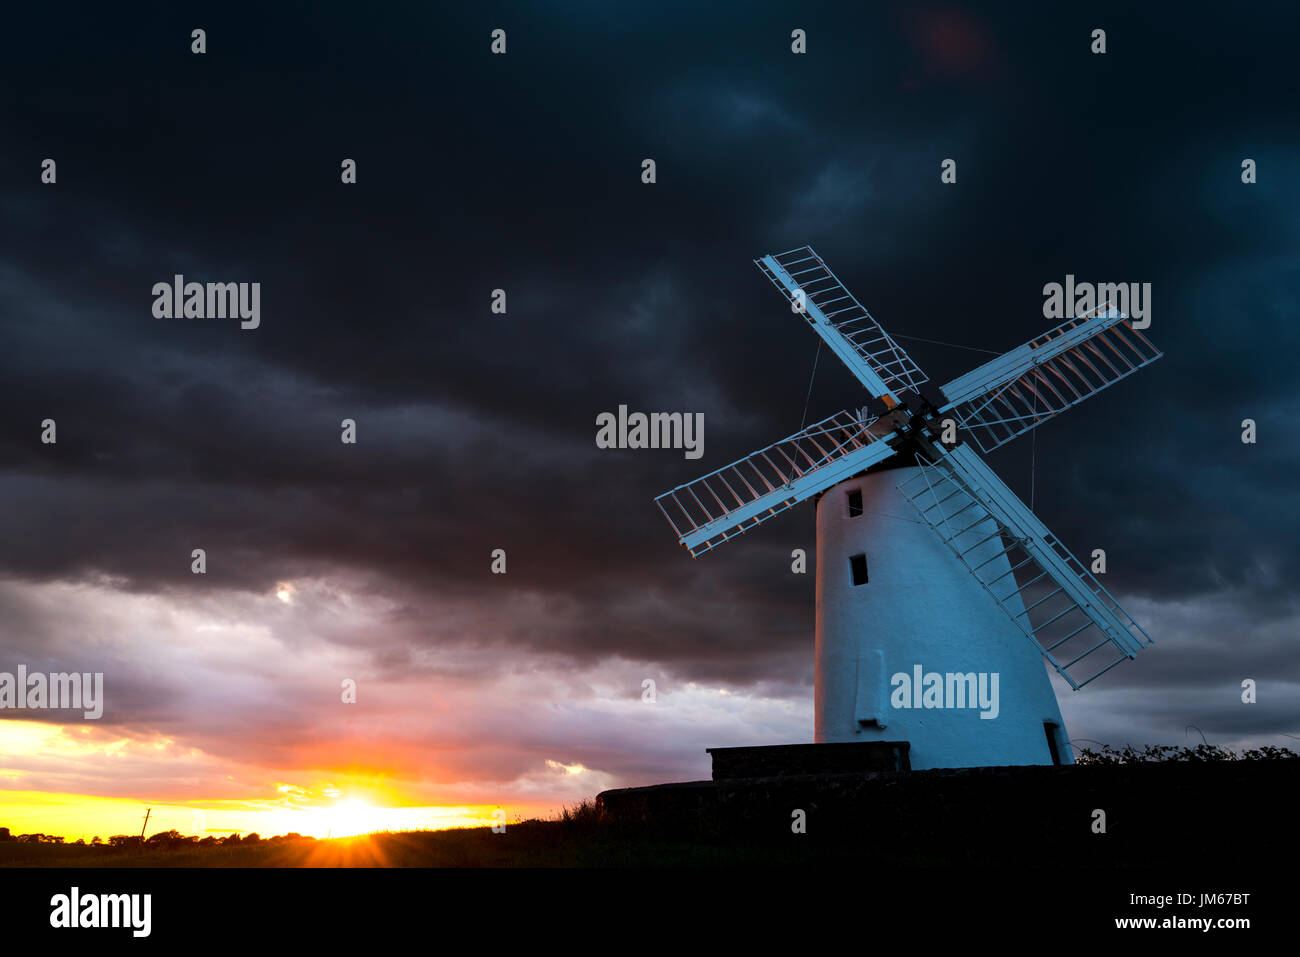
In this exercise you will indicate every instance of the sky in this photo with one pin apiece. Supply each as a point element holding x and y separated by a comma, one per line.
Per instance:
<point>476,430</point>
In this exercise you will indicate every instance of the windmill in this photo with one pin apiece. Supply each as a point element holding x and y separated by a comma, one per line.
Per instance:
<point>935,583</point>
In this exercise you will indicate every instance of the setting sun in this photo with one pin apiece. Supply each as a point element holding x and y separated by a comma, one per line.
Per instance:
<point>349,818</point>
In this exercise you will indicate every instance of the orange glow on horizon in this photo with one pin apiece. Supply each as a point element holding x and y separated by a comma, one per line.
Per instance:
<point>349,802</point>
<point>83,816</point>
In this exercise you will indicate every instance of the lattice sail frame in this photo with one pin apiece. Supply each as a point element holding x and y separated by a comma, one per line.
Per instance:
<point>959,497</point>
<point>853,334</point>
<point>1022,389</point>
<point>735,498</point>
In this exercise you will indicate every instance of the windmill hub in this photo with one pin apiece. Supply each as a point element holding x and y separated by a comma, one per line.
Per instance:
<point>925,556</point>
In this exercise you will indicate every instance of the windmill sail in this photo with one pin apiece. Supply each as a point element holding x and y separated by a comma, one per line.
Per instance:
<point>710,510</point>
<point>1016,392</point>
<point>845,325</point>
<point>1058,604</point>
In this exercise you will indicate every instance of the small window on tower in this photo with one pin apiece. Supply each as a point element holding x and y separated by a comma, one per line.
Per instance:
<point>855,503</point>
<point>858,569</point>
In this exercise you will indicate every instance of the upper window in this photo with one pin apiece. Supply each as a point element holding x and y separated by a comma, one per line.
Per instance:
<point>855,503</point>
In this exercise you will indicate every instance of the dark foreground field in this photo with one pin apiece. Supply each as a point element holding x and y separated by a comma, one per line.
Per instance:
<point>528,844</point>
<point>1181,814</point>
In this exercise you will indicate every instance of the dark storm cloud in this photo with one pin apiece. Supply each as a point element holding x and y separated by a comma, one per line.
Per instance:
<point>522,172</point>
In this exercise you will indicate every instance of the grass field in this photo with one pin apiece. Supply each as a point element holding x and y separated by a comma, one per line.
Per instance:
<point>527,844</point>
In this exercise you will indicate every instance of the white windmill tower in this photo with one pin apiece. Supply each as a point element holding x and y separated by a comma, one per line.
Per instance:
<point>933,577</point>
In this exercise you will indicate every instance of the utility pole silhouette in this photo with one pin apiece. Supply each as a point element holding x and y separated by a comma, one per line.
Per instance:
<point>147,812</point>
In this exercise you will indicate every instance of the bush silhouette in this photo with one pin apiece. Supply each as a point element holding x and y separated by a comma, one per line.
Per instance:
<point>1158,753</point>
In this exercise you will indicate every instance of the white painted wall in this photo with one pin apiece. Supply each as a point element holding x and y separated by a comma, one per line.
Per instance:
<point>920,606</point>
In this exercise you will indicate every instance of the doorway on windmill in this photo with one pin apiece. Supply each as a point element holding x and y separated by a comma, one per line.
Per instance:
<point>855,503</point>
<point>1053,746</point>
<point>858,569</point>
